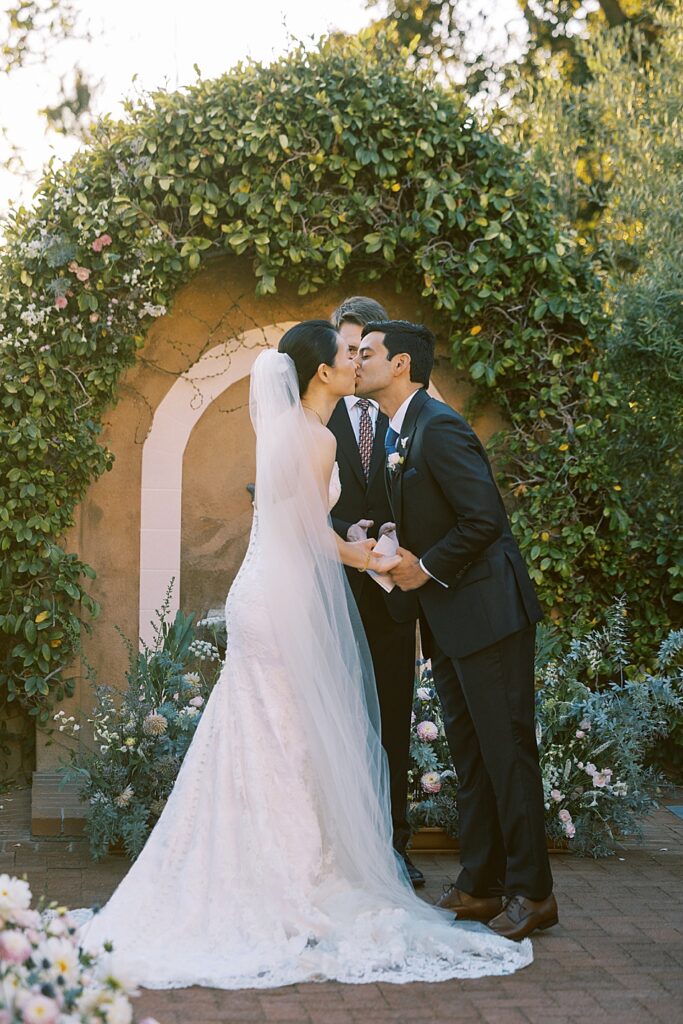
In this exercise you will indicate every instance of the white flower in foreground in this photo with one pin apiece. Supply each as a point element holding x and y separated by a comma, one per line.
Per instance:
<point>423,693</point>
<point>62,956</point>
<point>39,1009</point>
<point>197,701</point>
<point>119,1010</point>
<point>110,971</point>
<point>15,894</point>
<point>27,918</point>
<point>124,797</point>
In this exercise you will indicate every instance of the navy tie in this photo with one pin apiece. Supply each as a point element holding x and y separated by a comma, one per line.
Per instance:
<point>390,440</point>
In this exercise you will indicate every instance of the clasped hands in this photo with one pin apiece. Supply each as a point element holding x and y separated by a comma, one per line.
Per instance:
<point>403,567</point>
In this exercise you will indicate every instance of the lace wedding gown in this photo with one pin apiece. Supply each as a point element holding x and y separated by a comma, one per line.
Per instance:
<point>245,881</point>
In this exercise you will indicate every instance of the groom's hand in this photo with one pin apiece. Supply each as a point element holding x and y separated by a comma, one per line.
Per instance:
<point>408,575</point>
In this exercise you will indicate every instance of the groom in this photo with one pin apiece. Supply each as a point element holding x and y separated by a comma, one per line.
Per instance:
<point>363,510</point>
<point>477,612</point>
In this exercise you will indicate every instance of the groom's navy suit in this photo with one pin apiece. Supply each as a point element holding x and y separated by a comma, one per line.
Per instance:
<point>391,643</point>
<point>479,631</point>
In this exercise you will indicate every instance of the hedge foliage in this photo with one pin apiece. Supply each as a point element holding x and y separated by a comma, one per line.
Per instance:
<point>337,162</point>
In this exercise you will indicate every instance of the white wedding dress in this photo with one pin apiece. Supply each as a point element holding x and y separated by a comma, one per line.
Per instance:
<point>272,861</point>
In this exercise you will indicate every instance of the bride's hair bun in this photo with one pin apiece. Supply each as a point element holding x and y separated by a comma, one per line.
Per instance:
<point>309,344</point>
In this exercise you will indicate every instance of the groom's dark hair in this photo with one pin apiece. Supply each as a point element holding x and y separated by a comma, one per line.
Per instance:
<point>415,339</point>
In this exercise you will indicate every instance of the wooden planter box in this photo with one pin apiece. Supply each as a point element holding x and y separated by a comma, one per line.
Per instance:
<point>437,840</point>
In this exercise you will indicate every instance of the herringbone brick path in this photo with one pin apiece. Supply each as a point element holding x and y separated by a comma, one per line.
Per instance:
<point>615,958</point>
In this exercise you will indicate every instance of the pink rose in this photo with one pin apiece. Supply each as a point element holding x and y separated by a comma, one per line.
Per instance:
<point>570,830</point>
<point>579,734</point>
<point>61,302</point>
<point>82,273</point>
<point>556,795</point>
<point>102,241</point>
<point>196,702</point>
<point>14,947</point>
<point>564,815</point>
<point>600,780</point>
<point>94,317</point>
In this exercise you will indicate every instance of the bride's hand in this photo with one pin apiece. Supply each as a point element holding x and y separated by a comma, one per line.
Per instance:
<point>383,563</point>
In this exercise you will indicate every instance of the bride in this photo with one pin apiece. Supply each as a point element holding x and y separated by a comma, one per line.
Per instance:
<point>272,862</point>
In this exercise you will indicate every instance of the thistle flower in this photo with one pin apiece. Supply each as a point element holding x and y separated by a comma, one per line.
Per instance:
<point>124,797</point>
<point>154,724</point>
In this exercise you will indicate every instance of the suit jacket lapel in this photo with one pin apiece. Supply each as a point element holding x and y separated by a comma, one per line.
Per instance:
<point>404,442</point>
<point>347,439</point>
<point>378,458</point>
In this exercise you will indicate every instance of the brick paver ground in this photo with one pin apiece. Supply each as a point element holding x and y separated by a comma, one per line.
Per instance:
<point>615,958</point>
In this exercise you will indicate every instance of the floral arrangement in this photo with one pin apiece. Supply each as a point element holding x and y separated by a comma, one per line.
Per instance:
<point>597,719</point>
<point>141,735</point>
<point>45,977</point>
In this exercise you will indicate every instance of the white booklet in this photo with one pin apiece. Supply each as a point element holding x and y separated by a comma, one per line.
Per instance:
<point>386,545</point>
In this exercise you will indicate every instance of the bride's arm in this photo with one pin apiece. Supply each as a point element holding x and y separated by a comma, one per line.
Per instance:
<point>355,554</point>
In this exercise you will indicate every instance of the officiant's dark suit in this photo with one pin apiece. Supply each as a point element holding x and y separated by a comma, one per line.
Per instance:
<point>477,616</point>
<point>392,644</point>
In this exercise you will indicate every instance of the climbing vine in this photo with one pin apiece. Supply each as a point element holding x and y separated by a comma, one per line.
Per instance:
<point>337,162</point>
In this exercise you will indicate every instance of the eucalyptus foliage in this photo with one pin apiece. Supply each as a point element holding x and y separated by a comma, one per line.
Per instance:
<point>342,162</point>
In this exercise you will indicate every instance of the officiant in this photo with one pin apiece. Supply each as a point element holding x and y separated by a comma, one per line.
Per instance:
<point>363,510</point>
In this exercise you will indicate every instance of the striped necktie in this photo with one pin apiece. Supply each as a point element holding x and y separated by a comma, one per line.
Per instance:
<point>366,435</point>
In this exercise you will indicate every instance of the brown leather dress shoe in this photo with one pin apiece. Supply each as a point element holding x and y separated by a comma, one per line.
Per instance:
<point>521,916</point>
<point>469,908</point>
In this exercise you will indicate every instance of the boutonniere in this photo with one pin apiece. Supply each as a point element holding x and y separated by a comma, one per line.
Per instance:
<point>404,442</point>
<point>394,461</point>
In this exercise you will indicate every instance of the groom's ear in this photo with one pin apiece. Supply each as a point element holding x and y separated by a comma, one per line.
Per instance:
<point>401,364</point>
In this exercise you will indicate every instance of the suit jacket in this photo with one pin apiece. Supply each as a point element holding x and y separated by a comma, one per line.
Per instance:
<point>449,513</point>
<point>360,499</point>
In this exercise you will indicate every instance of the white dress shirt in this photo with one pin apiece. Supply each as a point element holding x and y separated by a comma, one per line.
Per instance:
<point>354,414</point>
<point>396,423</point>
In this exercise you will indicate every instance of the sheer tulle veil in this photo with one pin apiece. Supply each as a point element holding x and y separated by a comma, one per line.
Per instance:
<point>319,637</point>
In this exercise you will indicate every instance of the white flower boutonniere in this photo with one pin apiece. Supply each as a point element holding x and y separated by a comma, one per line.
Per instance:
<point>394,460</point>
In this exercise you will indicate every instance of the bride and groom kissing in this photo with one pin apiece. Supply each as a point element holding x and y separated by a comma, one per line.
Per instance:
<point>280,856</point>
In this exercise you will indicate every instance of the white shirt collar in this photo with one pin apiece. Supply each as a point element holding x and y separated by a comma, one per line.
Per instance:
<point>352,399</point>
<point>396,421</point>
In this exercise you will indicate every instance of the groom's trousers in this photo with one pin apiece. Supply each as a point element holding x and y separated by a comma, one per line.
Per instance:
<point>488,707</point>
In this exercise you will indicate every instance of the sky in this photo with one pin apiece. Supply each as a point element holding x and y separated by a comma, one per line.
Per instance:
<point>157,43</point>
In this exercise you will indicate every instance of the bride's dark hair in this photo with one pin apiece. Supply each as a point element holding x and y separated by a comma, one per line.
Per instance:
<point>309,344</point>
